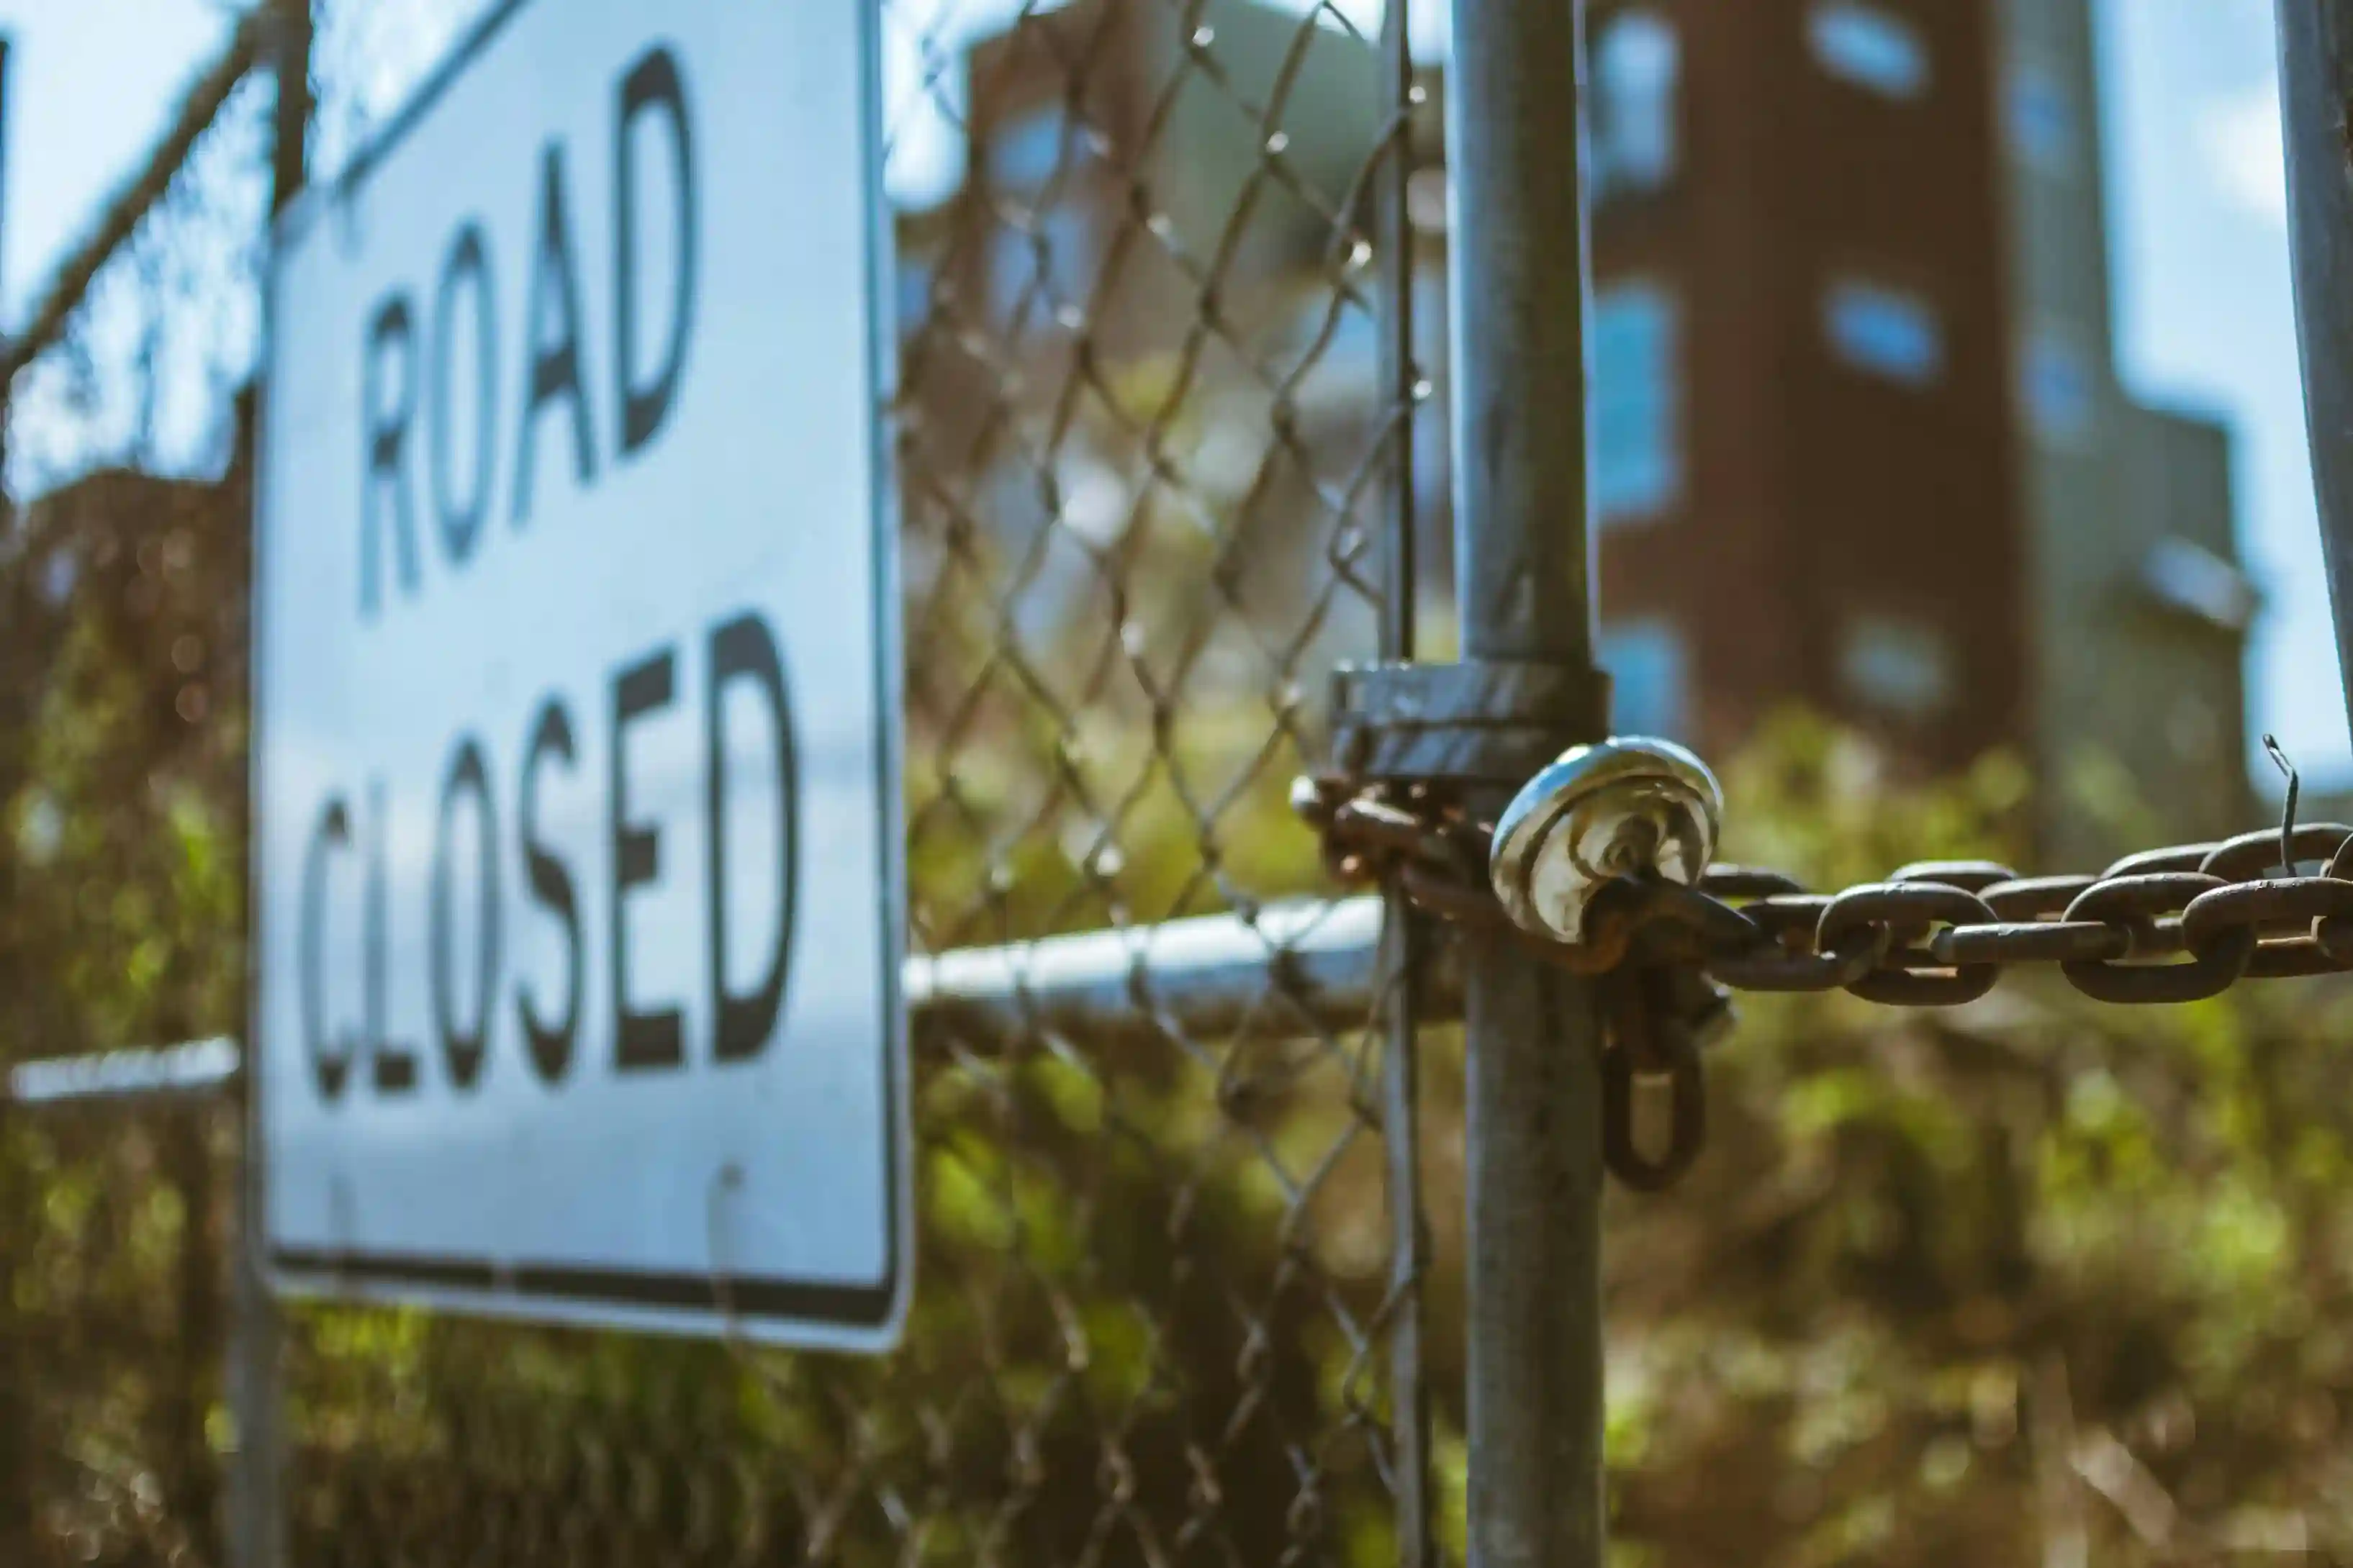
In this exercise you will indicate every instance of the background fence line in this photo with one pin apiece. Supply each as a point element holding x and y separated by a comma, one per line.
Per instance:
<point>1159,406</point>
<point>250,49</point>
<point>2027,1281</point>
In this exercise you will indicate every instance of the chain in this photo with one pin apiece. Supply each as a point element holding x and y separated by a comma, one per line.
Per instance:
<point>2177,924</point>
<point>2169,925</point>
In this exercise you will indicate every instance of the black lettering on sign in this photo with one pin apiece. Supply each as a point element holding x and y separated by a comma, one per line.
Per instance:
<point>744,650</point>
<point>412,365</point>
<point>556,373</point>
<point>642,1039</point>
<point>392,343</point>
<point>748,734</point>
<point>550,1044</point>
<point>468,268</point>
<point>463,1046</point>
<point>331,1064</point>
<point>396,1063</point>
<point>653,90</point>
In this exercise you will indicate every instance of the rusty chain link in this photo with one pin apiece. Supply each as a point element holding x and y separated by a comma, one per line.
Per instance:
<point>2177,924</point>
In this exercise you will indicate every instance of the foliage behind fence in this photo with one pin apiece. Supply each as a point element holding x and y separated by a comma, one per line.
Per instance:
<point>1143,465</point>
<point>2028,1282</point>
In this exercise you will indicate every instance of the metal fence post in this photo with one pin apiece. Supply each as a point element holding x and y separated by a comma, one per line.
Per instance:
<point>256,1532</point>
<point>257,1395</point>
<point>2315,52</point>
<point>1521,281</point>
<point>1402,943</point>
<point>17,1478</point>
<point>192,1478</point>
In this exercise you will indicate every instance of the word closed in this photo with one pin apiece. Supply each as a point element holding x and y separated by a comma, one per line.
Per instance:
<point>345,880</point>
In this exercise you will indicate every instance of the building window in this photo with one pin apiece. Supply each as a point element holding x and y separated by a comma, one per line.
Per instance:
<point>1637,70</point>
<point>1649,677</point>
<point>1869,45</point>
<point>2191,580</point>
<point>1025,152</point>
<point>1888,331</point>
<point>1433,450</point>
<point>1426,200</point>
<point>59,573</point>
<point>2042,116</point>
<point>2058,388</point>
<point>1897,666</point>
<point>1034,269</point>
<point>914,279</point>
<point>1636,399</point>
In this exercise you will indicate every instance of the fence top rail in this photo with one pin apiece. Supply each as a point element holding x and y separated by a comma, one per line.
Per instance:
<point>248,46</point>
<point>1214,975</point>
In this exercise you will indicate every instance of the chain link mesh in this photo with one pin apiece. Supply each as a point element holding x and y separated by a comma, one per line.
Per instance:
<point>122,572</point>
<point>2030,1279</point>
<point>1148,440</point>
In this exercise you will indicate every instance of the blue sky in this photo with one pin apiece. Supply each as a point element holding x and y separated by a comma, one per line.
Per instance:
<point>89,84</point>
<point>2206,318</point>
<point>2194,172</point>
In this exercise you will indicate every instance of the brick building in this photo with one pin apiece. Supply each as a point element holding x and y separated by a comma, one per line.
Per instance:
<point>1859,440</point>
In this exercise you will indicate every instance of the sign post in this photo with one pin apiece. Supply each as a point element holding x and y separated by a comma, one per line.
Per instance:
<point>576,733</point>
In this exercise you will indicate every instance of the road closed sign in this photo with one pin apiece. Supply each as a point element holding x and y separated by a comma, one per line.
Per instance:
<point>578,882</point>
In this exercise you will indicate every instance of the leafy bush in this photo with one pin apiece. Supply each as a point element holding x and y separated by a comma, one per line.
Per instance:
<point>2036,1279</point>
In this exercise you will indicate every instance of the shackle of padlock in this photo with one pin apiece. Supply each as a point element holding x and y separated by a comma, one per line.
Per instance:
<point>1631,807</point>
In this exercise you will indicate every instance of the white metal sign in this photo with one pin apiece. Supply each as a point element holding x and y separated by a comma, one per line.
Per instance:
<point>576,803</point>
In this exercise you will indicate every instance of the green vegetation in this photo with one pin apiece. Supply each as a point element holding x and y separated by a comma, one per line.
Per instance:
<point>2037,1280</point>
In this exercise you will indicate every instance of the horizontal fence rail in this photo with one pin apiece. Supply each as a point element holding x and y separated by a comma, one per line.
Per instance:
<point>1292,968</point>
<point>192,1071</point>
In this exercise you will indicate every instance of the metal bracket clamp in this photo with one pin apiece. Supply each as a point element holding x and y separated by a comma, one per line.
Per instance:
<point>1477,723</point>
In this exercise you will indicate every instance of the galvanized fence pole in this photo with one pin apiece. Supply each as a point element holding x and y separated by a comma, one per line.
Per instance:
<point>2315,45</point>
<point>256,1373</point>
<point>256,1392</point>
<point>1521,280</point>
<point>1402,944</point>
<point>17,1478</point>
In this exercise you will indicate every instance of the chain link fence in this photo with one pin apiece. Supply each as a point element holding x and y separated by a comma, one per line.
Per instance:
<point>1155,422</point>
<point>1142,463</point>
<point>122,572</point>
<point>2027,1281</point>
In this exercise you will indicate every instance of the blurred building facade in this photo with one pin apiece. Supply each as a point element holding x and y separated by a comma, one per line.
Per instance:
<point>2139,609</point>
<point>1859,439</point>
<point>1860,434</point>
<point>1126,359</point>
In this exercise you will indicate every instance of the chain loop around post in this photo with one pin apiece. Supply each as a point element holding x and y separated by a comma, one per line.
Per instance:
<point>2176,924</point>
<point>2168,925</point>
